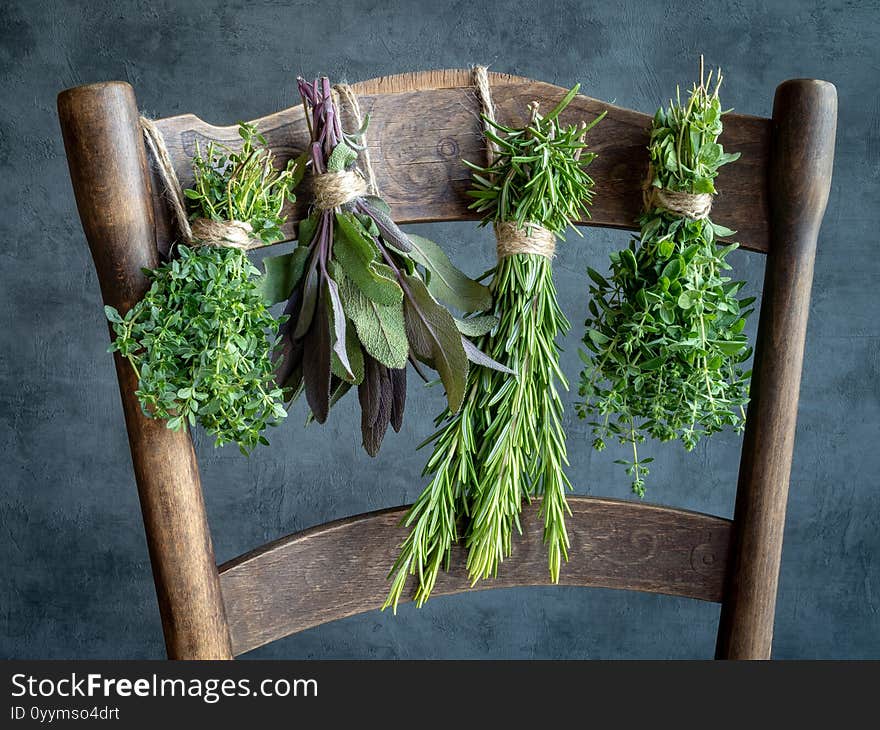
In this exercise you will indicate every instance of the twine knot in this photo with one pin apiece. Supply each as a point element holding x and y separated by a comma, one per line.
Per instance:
<point>511,239</point>
<point>224,234</point>
<point>335,189</point>
<point>695,206</point>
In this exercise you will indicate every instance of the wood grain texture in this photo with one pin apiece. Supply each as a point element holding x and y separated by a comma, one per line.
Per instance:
<point>109,173</point>
<point>804,128</point>
<point>423,124</point>
<point>339,569</point>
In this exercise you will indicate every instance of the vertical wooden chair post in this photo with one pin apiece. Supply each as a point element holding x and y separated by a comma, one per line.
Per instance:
<point>775,196</point>
<point>801,158</point>
<point>111,182</point>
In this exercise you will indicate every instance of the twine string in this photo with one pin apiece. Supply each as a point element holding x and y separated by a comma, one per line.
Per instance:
<point>330,189</point>
<point>484,93</point>
<point>344,96</point>
<point>510,238</point>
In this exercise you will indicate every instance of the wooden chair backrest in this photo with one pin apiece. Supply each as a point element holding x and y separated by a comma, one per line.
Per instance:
<point>422,125</point>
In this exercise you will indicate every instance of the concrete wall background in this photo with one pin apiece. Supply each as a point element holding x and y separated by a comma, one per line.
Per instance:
<point>76,581</point>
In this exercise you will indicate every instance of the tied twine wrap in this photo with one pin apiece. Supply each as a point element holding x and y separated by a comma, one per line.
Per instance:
<point>203,231</point>
<point>335,189</point>
<point>695,206</point>
<point>510,239</point>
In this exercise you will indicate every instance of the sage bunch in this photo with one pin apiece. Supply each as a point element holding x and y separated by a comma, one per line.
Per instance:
<point>507,443</point>
<point>664,347</point>
<point>363,297</point>
<point>201,339</point>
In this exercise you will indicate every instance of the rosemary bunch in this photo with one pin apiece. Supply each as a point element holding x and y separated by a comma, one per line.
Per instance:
<point>200,340</point>
<point>664,341</point>
<point>362,295</point>
<point>507,444</point>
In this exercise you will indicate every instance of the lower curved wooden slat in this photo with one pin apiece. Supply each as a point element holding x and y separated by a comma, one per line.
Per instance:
<point>339,569</point>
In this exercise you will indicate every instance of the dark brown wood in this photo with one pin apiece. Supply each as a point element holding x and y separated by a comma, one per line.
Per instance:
<point>339,569</point>
<point>804,125</point>
<point>109,173</point>
<point>423,124</point>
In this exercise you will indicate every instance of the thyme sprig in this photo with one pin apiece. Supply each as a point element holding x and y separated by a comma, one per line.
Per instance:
<point>200,340</point>
<point>242,185</point>
<point>664,343</point>
<point>507,443</point>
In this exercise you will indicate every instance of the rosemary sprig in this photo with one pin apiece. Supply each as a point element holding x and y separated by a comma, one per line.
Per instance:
<point>507,444</point>
<point>664,341</point>
<point>520,420</point>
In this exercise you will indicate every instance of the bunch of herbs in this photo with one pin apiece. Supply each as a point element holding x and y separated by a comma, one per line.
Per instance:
<point>664,348</point>
<point>363,297</point>
<point>200,341</point>
<point>507,444</point>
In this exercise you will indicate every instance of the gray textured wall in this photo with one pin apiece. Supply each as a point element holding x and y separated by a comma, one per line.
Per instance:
<point>75,580</point>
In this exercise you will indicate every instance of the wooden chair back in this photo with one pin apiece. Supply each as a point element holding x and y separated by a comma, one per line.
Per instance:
<point>423,124</point>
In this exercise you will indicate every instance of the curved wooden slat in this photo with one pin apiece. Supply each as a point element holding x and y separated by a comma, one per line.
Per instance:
<point>339,569</point>
<point>424,123</point>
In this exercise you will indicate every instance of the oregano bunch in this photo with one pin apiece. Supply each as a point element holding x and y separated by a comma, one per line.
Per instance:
<point>664,345</point>
<point>507,443</point>
<point>363,297</point>
<point>200,341</point>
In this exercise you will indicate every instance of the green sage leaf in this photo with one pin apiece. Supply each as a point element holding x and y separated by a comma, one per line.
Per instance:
<point>433,336</point>
<point>380,327</point>
<point>478,357</point>
<point>476,326</point>
<point>307,228</point>
<point>337,316</point>
<point>448,283</point>
<point>358,255</point>
<point>341,157</point>
<point>282,274</point>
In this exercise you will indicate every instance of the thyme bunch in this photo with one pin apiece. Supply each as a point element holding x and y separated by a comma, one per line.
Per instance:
<point>507,443</point>
<point>664,345</point>
<point>200,340</point>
